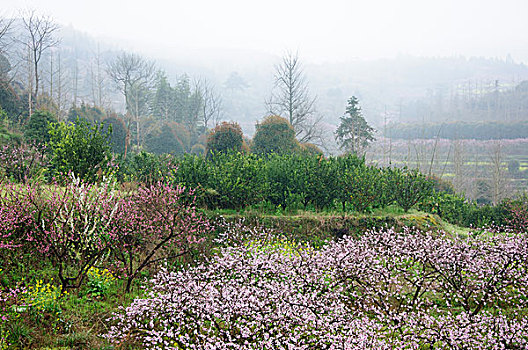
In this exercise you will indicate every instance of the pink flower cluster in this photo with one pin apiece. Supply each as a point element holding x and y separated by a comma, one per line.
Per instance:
<point>22,162</point>
<point>155,223</point>
<point>78,225</point>
<point>386,290</point>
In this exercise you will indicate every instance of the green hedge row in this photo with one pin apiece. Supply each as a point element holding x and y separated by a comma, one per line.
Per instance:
<point>236,181</point>
<point>291,182</point>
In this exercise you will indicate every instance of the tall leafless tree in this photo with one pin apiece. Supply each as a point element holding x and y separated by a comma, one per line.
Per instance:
<point>97,80</point>
<point>62,88</point>
<point>499,182</point>
<point>40,37</point>
<point>132,74</point>
<point>211,102</point>
<point>5,65</point>
<point>459,161</point>
<point>5,26</point>
<point>291,99</point>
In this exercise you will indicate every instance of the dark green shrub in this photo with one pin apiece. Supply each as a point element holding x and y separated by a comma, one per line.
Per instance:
<point>81,148</point>
<point>118,132</point>
<point>194,172</point>
<point>91,114</point>
<point>408,187</point>
<point>163,138</point>
<point>237,179</point>
<point>37,130</point>
<point>363,187</point>
<point>144,167</point>
<point>450,207</point>
<point>274,135</point>
<point>225,137</point>
<point>285,180</point>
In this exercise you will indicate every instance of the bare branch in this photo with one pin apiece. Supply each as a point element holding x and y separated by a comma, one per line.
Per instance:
<point>40,37</point>
<point>291,98</point>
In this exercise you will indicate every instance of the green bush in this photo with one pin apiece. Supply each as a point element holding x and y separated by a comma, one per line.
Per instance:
<point>37,130</point>
<point>363,187</point>
<point>91,114</point>
<point>408,187</point>
<point>117,128</point>
<point>163,138</point>
<point>225,137</point>
<point>274,135</point>
<point>81,148</point>
<point>287,181</point>
<point>144,167</point>
<point>238,180</point>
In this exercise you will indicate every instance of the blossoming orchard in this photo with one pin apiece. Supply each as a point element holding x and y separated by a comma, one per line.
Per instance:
<point>386,290</point>
<point>160,264</point>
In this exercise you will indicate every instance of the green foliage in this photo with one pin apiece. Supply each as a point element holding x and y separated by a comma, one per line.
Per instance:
<point>37,127</point>
<point>11,102</point>
<point>353,133</point>
<point>226,180</point>
<point>198,149</point>
<point>117,128</point>
<point>457,210</point>
<point>92,114</point>
<point>310,148</point>
<point>144,167</point>
<point>297,181</point>
<point>237,179</point>
<point>274,135</point>
<point>287,180</point>
<point>408,187</point>
<point>99,281</point>
<point>451,207</point>
<point>6,135</point>
<point>225,137</point>
<point>163,138</point>
<point>81,148</point>
<point>364,187</point>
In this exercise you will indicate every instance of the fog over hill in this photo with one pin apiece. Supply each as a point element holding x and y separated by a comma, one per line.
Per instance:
<point>410,62</point>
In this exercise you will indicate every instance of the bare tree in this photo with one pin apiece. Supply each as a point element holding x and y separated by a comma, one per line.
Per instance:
<point>5,26</point>
<point>40,31</point>
<point>5,65</point>
<point>61,89</point>
<point>97,80</point>
<point>291,98</point>
<point>132,74</point>
<point>211,102</point>
<point>499,183</point>
<point>460,179</point>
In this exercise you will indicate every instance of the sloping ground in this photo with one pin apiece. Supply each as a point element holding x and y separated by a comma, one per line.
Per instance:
<point>327,227</point>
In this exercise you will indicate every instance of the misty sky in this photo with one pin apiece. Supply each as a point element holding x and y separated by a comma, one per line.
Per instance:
<point>329,30</point>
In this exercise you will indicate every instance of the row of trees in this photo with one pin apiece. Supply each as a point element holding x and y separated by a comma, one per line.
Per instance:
<point>149,95</point>
<point>153,107</point>
<point>276,134</point>
<point>33,77</point>
<point>459,130</point>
